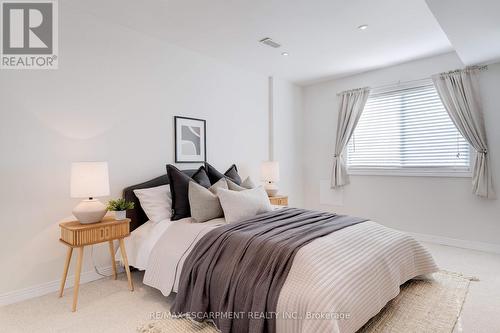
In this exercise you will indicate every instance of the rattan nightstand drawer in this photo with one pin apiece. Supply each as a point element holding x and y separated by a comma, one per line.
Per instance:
<point>76,234</point>
<point>279,200</point>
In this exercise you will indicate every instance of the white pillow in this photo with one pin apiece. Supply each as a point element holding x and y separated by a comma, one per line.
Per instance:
<point>156,202</point>
<point>238,206</point>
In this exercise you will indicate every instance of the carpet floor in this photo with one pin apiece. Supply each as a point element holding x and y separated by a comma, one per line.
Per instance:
<point>107,305</point>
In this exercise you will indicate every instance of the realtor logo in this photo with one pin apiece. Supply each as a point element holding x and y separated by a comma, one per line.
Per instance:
<point>29,35</point>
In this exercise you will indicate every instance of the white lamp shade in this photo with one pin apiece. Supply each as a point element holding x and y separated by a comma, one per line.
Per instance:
<point>89,179</point>
<point>270,171</point>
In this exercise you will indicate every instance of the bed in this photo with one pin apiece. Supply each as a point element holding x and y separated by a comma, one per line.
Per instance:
<point>335,283</point>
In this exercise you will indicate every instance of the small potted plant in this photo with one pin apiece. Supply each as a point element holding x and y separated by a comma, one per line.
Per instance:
<point>120,206</point>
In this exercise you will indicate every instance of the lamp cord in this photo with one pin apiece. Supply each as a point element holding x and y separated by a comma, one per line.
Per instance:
<point>93,263</point>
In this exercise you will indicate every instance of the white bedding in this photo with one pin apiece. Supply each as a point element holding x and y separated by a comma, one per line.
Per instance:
<point>166,260</point>
<point>353,271</point>
<point>141,241</point>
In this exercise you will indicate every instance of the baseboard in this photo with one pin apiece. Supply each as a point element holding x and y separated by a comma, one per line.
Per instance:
<point>53,286</point>
<point>465,244</point>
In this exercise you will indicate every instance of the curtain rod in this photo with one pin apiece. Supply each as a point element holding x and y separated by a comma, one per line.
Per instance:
<point>350,91</point>
<point>392,84</point>
<point>466,69</point>
<point>399,82</point>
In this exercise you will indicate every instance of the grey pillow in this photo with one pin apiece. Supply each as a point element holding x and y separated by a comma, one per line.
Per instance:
<point>233,186</point>
<point>247,184</point>
<point>242,205</point>
<point>204,203</point>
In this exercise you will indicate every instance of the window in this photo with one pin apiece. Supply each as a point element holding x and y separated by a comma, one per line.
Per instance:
<point>406,130</point>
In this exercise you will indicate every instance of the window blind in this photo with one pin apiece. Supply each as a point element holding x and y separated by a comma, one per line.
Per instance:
<point>407,128</point>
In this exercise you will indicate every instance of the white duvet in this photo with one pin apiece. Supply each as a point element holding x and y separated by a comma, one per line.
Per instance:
<point>336,283</point>
<point>166,260</point>
<point>141,241</point>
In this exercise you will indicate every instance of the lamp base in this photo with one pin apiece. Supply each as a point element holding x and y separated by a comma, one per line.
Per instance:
<point>89,211</point>
<point>271,189</point>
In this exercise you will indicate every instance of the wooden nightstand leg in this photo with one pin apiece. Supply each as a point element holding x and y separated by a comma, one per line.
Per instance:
<point>77,277</point>
<point>112,252</point>
<point>125,263</point>
<point>65,272</point>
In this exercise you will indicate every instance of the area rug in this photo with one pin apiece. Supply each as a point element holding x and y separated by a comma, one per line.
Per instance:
<point>421,306</point>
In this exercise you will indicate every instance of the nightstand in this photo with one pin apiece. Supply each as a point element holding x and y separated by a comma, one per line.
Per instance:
<point>279,200</point>
<point>77,235</point>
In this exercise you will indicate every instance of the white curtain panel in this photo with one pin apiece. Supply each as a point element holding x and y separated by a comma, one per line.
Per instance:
<point>459,92</point>
<point>351,105</point>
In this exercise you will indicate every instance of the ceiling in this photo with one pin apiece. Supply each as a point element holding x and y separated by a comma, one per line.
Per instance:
<point>473,27</point>
<point>321,36</point>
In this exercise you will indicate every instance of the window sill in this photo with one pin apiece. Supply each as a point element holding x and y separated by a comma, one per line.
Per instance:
<point>410,173</point>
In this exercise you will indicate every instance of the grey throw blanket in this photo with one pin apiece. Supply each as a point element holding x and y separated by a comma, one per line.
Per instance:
<point>235,273</point>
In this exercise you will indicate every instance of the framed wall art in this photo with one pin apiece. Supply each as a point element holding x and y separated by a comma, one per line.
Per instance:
<point>190,140</point>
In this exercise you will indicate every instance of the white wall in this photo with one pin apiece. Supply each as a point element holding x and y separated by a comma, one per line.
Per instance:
<point>428,205</point>
<point>287,111</point>
<point>113,98</point>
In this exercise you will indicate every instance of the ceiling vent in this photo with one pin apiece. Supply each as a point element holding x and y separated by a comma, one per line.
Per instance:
<point>269,42</point>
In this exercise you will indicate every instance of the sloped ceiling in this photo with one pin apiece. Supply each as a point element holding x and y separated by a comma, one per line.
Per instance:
<point>472,26</point>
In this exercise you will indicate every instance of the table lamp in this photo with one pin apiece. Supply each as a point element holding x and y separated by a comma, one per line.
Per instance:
<point>270,174</point>
<point>89,180</point>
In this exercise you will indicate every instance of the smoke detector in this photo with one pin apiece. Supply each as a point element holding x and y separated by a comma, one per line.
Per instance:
<point>269,42</point>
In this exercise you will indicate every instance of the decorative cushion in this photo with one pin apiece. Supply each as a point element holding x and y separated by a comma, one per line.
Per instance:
<point>233,186</point>
<point>238,206</point>
<point>156,202</point>
<point>231,173</point>
<point>248,183</point>
<point>179,188</point>
<point>204,203</point>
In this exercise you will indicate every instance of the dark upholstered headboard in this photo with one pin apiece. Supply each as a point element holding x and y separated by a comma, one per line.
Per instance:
<point>137,215</point>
